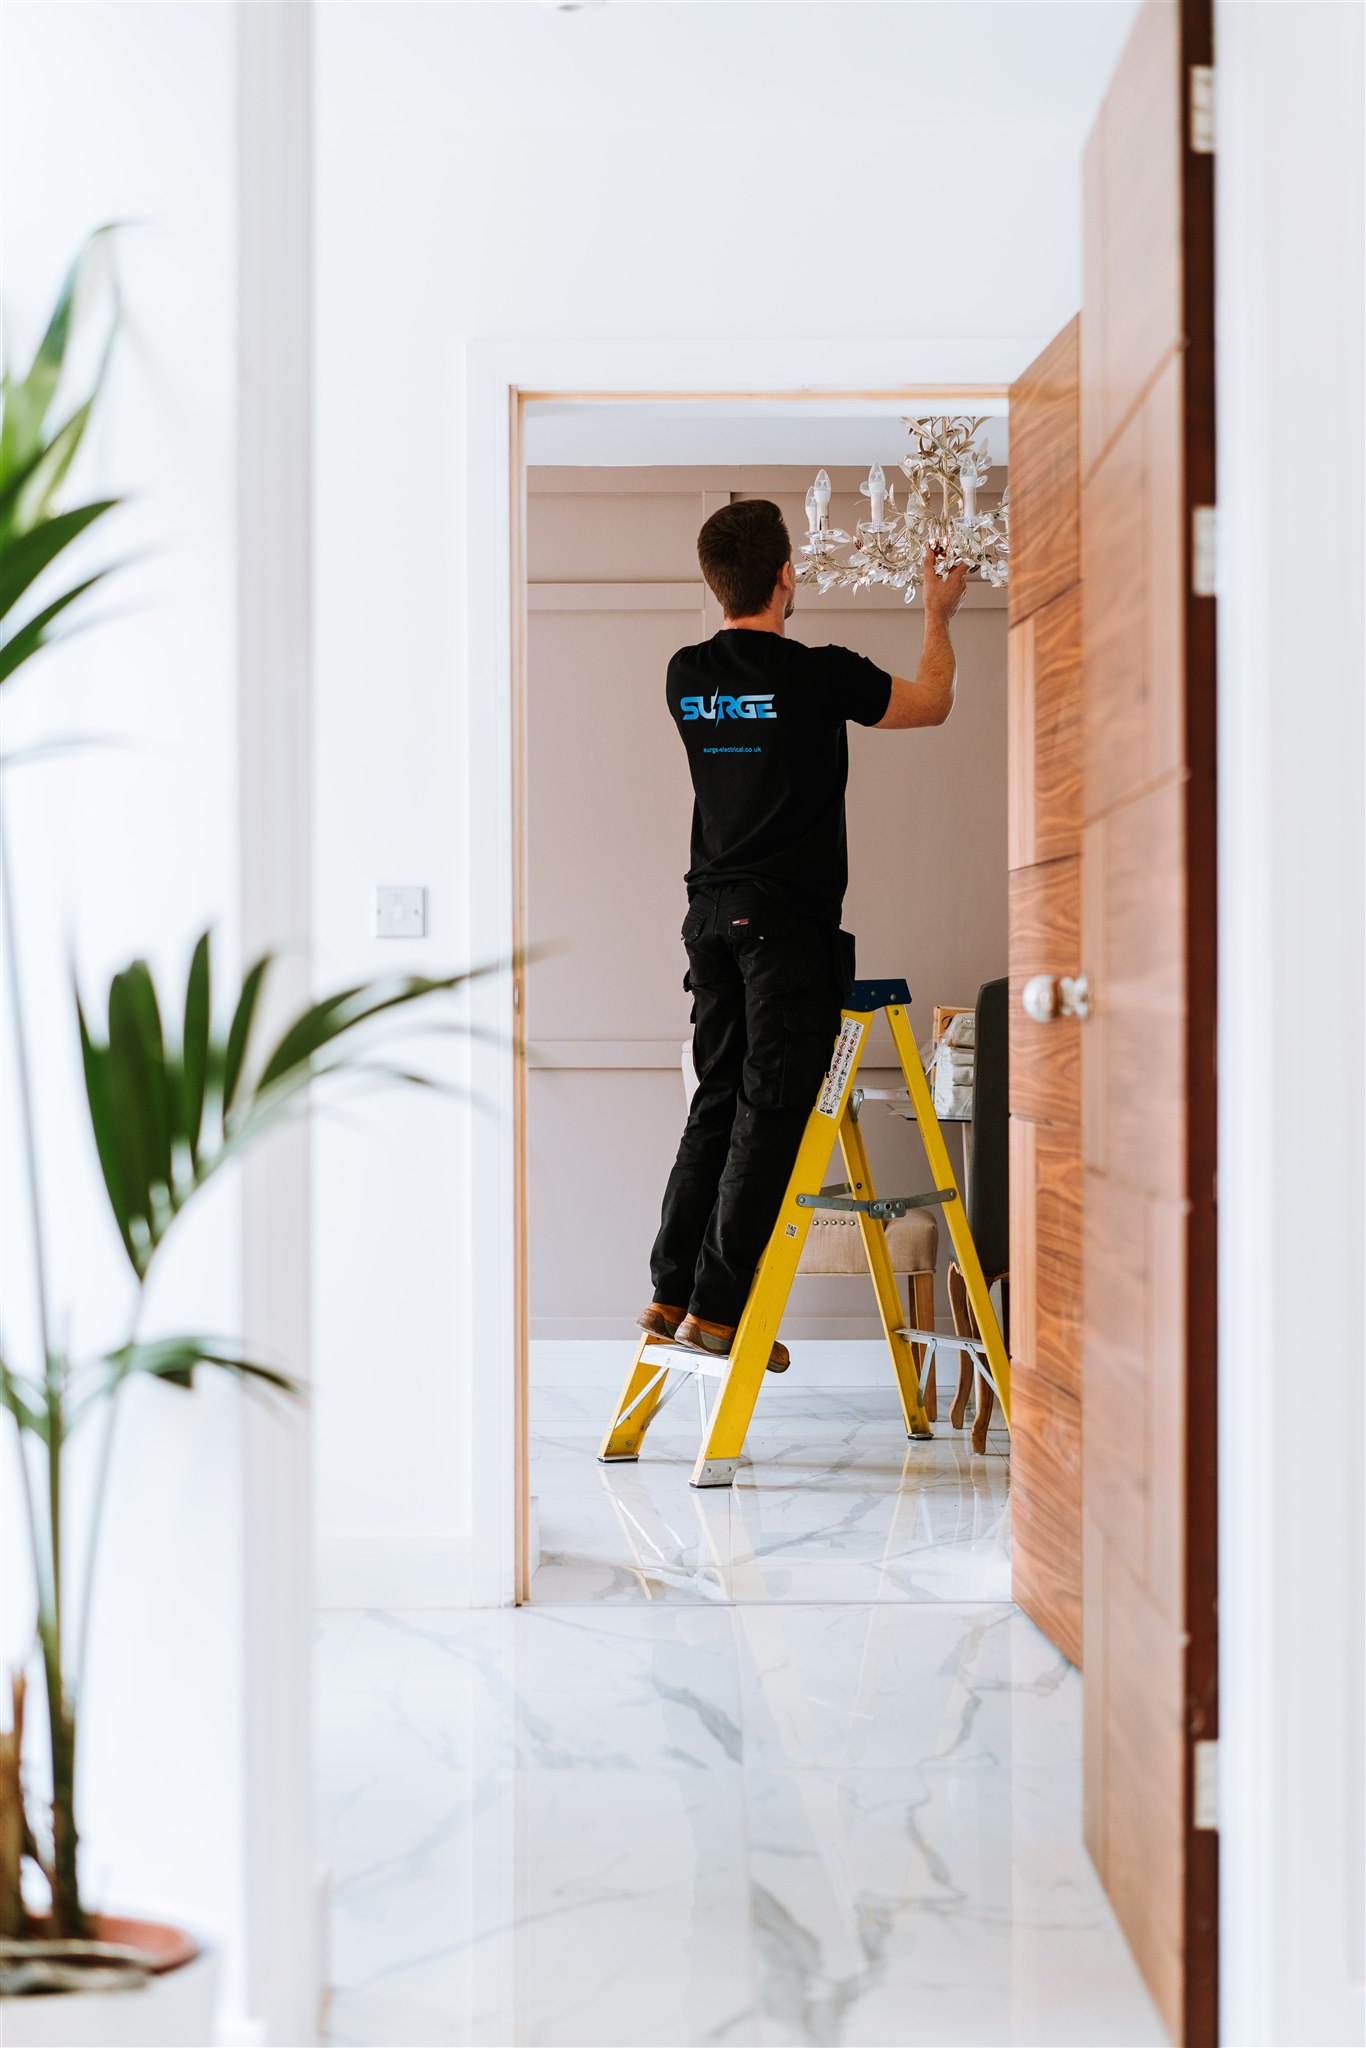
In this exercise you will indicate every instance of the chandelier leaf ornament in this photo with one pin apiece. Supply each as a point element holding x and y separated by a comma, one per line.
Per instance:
<point>945,468</point>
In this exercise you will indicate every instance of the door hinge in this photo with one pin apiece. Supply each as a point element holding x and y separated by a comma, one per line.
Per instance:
<point>1202,109</point>
<point>1204,552</point>
<point>1206,1800</point>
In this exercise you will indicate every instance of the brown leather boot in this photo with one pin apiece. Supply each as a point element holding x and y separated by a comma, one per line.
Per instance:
<point>718,1338</point>
<point>660,1320</point>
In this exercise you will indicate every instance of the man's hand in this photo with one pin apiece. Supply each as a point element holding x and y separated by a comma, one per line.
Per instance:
<point>943,594</point>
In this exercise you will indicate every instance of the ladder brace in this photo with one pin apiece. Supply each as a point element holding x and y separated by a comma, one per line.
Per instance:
<point>883,1207</point>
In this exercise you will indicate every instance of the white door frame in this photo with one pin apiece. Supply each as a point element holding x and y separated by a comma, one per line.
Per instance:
<point>274,1953</point>
<point>1292,913</point>
<point>502,378</point>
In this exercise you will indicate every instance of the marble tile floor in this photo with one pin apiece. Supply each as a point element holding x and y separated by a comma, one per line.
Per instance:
<point>776,1766</point>
<point>833,1503</point>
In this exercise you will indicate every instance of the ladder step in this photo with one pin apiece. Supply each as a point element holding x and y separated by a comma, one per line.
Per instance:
<point>876,995</point>
<point>946,1342</point>
<point>712,1365</point>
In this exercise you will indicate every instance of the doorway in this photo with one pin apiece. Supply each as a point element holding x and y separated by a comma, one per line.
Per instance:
<point>614,500</point>
<point>633,463</point>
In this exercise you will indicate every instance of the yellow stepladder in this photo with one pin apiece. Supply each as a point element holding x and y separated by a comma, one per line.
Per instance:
<point>741,1375</point>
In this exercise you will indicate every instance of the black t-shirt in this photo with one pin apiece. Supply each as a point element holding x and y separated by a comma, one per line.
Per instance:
<point>763,719</point>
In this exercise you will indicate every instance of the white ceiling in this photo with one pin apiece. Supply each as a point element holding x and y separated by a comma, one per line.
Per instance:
<point>913,168</point>
<point>639,434</point>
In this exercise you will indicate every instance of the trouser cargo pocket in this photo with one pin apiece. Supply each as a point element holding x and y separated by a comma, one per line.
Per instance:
<point>809,1029</point>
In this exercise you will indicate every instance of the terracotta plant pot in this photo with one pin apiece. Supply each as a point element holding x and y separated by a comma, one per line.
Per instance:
<point>173,2007</point>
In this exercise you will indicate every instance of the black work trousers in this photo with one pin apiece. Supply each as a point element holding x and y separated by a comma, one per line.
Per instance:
<point>767,986</point>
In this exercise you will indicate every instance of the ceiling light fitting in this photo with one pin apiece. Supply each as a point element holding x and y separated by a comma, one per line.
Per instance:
<point>946,467</point>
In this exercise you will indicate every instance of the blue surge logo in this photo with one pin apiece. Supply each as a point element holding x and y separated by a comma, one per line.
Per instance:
<point>719,707</point>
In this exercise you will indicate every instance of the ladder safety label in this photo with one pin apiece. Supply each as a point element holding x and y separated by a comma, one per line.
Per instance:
<point>846,1051</point>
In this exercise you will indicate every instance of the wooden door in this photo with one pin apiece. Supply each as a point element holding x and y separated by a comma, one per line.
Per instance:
<point>1147,1051</point>
<point>1112,1119</point>
<point>1044,837</point>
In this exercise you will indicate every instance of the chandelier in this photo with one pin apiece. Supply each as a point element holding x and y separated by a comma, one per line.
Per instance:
<point>946,466</point>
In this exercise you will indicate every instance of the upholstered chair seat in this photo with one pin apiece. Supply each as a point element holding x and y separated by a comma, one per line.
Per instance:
<point>834,1243</point>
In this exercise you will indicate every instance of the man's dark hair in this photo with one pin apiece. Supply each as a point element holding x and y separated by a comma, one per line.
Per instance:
<point>742,549</point>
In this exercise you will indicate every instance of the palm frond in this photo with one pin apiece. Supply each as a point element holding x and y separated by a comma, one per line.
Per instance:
<point>167,1115</point>
<point>34,462</point>
<point>28,399</point>
<point>177,1359</point>
<point>27,555</point>
<point>22,644</point>
<point>24,1403</point>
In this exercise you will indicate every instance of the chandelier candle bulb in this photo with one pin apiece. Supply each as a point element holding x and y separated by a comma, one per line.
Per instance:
<point>875,491</point>
<point>821,489</point>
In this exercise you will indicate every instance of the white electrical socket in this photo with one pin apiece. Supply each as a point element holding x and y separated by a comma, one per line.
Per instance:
<point>400,912</point>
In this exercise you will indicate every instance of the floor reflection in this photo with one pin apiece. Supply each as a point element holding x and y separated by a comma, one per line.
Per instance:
<point>779,1764</point>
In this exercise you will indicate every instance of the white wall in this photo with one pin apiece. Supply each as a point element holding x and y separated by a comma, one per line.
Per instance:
<point>194,1783</point>
<point>1291,345</point>
<point>126,112</point>
<point>628,171</point>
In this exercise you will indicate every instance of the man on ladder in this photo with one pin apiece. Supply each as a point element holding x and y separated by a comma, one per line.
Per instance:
<point>763,721</point>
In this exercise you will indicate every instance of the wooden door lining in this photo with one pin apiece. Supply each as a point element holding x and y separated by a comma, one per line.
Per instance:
<point>1045,768</point>
<point>1044,841</point>
<point>1045,554</point>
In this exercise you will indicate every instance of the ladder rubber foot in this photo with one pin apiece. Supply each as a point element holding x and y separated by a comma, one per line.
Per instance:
<point>920,1436</point>
<point>714,1472</point>
<point>619,1458</point>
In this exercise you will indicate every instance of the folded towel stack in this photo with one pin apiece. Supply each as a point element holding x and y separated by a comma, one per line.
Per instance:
<point>954,1066</point>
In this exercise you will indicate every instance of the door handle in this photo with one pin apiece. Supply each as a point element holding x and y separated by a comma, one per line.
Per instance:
<point>1049,996</point>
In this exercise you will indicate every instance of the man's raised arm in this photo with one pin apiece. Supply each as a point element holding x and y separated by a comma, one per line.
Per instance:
<point>927,698</point>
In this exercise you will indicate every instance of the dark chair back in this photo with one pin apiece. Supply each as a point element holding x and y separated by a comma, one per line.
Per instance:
<point>989,1198</point>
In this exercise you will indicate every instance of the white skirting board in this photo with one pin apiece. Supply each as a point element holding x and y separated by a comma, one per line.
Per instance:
<point>816,1362</point>
<point>796,1329</point>
<point>392,1571</point>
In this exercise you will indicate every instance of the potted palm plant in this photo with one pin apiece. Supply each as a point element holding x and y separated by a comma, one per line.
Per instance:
<point>179,1087</point>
